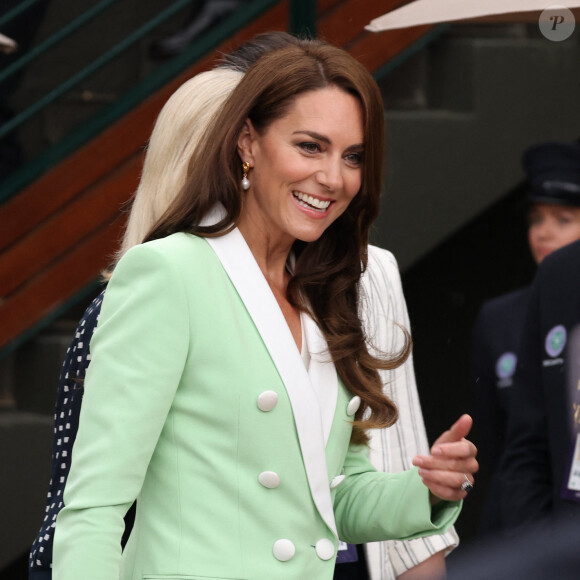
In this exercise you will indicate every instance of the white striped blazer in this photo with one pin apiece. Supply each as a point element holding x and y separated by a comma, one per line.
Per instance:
<point>383,307</point>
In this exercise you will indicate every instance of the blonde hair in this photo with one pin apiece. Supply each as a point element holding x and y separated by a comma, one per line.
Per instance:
<point>177,132</point>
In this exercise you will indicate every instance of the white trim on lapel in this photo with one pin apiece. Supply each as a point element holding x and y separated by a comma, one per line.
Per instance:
<point>244,272</point>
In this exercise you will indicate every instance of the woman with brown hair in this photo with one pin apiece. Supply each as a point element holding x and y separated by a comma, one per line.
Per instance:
<point>220,392</point>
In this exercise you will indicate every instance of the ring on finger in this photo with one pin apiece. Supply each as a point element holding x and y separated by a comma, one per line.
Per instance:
<point>467,485</point>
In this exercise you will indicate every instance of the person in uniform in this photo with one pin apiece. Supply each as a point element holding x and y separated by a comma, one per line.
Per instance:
<point>540,468</point>
<point>553,174</point>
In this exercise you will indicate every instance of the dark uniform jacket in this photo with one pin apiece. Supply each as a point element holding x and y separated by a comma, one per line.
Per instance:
<point>540,433</point>
<point>496,339</point>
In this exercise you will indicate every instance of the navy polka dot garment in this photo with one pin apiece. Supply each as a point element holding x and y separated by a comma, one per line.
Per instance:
<point>66,422</point>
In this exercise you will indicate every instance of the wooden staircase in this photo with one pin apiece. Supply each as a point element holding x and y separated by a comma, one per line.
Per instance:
<point>57,234</point>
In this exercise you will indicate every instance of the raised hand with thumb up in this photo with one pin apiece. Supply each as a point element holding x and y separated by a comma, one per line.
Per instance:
<point>448,470</point>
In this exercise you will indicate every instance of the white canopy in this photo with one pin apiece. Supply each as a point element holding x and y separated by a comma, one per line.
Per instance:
<point>435,11</point>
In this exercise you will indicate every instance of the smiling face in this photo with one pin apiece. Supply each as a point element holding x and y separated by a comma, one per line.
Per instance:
<point>306,167</point>
<point>552,227</point>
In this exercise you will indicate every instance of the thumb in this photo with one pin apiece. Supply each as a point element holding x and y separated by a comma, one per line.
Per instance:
<point>457,431</point>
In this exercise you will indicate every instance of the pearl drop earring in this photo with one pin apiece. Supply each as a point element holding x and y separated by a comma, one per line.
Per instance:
<point>245,180</point>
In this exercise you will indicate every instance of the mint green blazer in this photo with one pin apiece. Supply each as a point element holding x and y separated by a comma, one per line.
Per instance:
<point>198,405</point>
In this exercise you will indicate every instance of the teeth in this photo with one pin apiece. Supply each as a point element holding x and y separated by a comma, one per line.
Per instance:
<point>310,201</point>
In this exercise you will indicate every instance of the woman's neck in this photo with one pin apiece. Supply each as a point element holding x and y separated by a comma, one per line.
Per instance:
<point>271,254</point>
<point>272,258</point>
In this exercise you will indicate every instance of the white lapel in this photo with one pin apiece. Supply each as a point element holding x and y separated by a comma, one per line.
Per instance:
<point>244,272</point>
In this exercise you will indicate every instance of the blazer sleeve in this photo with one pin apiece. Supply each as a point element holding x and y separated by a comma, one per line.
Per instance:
<point>371,505</point>
<point>66,420</point>
<point>138,353</point>
<point>392,449</point>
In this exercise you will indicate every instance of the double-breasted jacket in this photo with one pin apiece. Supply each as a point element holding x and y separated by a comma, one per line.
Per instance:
<point>197,404</point>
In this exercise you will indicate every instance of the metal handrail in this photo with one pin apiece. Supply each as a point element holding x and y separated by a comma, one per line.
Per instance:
<point>154,81</point>
<point>63,33</point>
<point>302,18</point>
<point>98,63</point>
<point>16,11</point>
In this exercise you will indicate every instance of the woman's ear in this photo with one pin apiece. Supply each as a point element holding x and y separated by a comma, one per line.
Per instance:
<point>246,142</point>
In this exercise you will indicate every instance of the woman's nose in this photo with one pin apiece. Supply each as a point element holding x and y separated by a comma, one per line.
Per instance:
<point>330,175</point>
<point>545,229</point>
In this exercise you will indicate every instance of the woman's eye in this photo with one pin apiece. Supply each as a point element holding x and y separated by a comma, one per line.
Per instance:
<point>355,158</point>
<point>309,147</point>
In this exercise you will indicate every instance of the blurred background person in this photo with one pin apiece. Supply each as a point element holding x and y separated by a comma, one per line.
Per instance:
<point>553,175</point>
<point>540,468</point>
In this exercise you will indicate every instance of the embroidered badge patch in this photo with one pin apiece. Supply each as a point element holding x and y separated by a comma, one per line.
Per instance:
<point>505,367</point>
<point>555,340</point>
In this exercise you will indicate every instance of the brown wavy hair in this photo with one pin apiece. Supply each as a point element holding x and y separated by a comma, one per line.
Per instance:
<point>327,272</point>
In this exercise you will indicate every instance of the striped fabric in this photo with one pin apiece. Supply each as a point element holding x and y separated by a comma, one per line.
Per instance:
<point>383,308</point>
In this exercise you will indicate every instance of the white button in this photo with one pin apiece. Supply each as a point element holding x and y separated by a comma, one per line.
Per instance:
<point>284,550</point>
<point>267,400</point>
<point>337,481</point>
<point>325,549</point>
<point>353,406</point>
<point>269,479</point>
